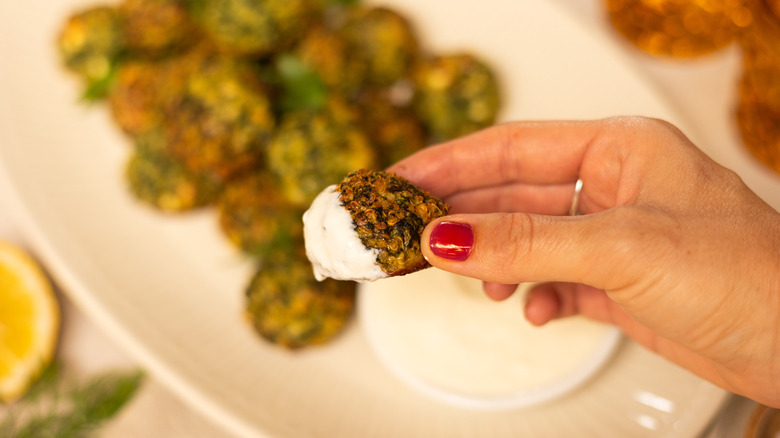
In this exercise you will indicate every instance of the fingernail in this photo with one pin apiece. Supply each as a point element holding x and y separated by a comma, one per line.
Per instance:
<point>452,241</point>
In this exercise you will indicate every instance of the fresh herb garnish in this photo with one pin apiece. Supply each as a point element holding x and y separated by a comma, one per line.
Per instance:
<point>60,407</point>
<point>303,88</point>
<point>98,89</point>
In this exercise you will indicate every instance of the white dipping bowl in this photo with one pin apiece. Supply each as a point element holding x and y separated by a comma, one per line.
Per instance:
<point>442,336</point>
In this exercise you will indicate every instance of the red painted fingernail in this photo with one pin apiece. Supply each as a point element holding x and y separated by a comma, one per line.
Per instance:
<point>452,241</point>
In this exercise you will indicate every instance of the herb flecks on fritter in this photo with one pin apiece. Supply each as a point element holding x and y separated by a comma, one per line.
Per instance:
<point>257,28</point>
<point>455,95</point>
<point>156,178</point>
<point>290,308</point>
<point>393,129</point>
<point>384,40</point>
<point>156,27</point>
<point>257,218</point>
<point>220,124</point>
<point>312,149</point>
<point>390,214</point>
<point>90,44</point>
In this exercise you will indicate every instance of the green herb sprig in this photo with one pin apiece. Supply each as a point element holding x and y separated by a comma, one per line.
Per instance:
<point>57,406</point>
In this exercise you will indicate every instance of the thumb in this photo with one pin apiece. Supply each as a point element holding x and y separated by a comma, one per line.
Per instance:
<point>511,248</point>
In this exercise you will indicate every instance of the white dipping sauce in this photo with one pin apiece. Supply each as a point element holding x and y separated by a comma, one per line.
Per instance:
<point>439,333</point>
<point>333,245</point>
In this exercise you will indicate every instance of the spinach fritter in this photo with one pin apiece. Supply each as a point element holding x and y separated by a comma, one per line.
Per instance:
<point>156,178</point>
<point>252,27</point>
<point>393,129</point>
<point>390,214</point>
<point>141,91</point>
<point>221,123</point>
<point>256,217</point>
<point>91,41</point>
<point>327,53</point>
<point>156,28</point>
<point>287,306</point>
<point>313,149</point>
<point>385,40</point>
<point>455,95</point>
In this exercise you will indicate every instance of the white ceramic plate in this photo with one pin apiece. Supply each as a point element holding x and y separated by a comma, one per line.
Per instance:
<point>170,289</point>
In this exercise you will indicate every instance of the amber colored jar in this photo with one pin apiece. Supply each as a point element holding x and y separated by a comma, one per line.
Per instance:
<point>758,108</point>
<point>679,28</point>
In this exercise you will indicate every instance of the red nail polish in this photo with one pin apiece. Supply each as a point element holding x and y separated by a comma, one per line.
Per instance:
<point>452,241</point>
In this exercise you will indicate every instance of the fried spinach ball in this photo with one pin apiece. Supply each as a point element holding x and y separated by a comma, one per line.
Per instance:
<point>384,40</point>
<point>326,52</point>
<point>312,149</point>
<point>156,27</point>
<point>256,217</point>
<point>394,130</point>
<point>91,41</point>
<point>254,27</point>
<point>390,214</point>
<point>289,308</point>
<point>156,178</point>
<point>221,122</point>
<point>142,89</point>
<point>368,227</point>
<point>455,95</point>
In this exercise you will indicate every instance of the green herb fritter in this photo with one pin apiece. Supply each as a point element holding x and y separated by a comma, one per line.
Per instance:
<point>156,178</point>
<point>455,95</point>
<point>256,217</point>
<point>312,149</point>
<point>385,40</point>
<point>252,27</point>
<point>390,214</point>
<point>156,27</point>
<point>289,307</point>
<point>221,123</point>
<point>327,53</point>
<point>142,89</point>
<point>393,129</point>
<point>90,44</point>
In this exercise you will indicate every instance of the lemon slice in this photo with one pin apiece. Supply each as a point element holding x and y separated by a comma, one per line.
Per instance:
<point>29,321</point>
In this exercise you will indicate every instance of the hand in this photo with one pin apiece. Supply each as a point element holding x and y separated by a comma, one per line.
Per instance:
<point>672,247</point>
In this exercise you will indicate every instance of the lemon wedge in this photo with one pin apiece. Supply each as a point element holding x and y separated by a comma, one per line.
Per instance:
<point>29,321</point>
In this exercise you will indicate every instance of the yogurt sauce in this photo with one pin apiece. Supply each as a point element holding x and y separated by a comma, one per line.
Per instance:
<point>439,333</point>
<point>333,245</point>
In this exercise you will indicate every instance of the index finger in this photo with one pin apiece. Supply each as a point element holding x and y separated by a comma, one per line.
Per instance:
<point>518,152</point>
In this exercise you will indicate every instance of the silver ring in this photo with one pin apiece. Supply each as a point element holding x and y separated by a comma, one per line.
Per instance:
<point>575,200</point>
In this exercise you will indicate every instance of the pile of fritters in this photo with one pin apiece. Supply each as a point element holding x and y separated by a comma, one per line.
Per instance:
<point>255,106</point>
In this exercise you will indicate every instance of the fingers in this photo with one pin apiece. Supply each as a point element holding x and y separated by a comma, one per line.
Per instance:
<point>529,152</point>
<point>548,301</point>
<point>498,291</point>
<point>548,199</point>
<point>510,248</point>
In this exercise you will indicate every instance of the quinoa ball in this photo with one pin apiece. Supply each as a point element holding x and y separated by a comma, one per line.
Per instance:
<point>455,95</point>
<point>288,307</point>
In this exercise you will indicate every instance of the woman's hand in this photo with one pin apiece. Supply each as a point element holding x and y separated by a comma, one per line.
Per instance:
<point>671,247</point>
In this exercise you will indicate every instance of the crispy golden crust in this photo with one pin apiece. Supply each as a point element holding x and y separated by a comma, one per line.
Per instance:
<point>257,218</point>
<point>390,214</point>
<point>455,95</point>
<point>288,307</point>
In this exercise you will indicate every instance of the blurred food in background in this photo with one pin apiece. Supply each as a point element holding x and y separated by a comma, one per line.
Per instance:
<point>758,108</point>
<point>254,106</point>
<point>691,28</point>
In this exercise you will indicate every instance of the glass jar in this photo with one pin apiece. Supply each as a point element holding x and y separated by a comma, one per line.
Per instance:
<point>758,106</point>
